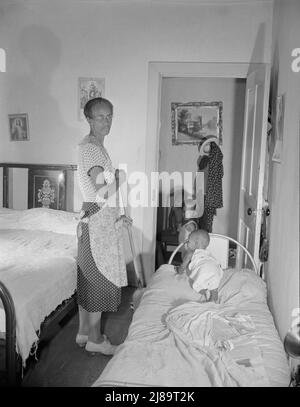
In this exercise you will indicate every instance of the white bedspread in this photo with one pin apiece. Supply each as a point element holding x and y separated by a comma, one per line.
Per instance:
<point>51,220</point>
<point>156,353</point>
<point>39,269</point>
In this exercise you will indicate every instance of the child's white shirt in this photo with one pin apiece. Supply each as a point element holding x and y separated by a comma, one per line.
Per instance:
<point>206,272</point>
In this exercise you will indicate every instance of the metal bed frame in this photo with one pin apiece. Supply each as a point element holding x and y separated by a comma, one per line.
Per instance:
<point>10,335</point>
<point>13,362</point>
<point>224,237</point>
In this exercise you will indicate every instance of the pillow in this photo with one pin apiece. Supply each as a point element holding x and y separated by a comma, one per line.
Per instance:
<point>39,219</point>
<point>242,286</point>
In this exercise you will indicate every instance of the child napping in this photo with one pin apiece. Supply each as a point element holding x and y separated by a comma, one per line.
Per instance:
<point>202,268</point>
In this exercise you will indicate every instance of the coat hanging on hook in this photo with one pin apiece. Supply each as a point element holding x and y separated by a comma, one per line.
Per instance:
<point>204,150</point>
<point>212,166</point>
<point>204,147</point>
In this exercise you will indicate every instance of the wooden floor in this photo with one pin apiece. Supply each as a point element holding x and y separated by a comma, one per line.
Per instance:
<point>62,363</point>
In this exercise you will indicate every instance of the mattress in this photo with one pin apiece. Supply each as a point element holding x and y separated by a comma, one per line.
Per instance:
<point>38,266</point>
<point>154,355</point>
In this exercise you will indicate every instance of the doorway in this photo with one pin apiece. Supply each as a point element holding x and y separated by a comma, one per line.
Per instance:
<point>184,157</point>
<point>158,72</point>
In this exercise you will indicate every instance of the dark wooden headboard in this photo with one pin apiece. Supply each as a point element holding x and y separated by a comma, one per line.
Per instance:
<point>49,185</point>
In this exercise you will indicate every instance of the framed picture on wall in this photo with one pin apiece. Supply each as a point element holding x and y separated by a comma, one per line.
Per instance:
<point>18,127</point>
<point>88,88</point>
<point>47,189</point>
<point>195,121</point>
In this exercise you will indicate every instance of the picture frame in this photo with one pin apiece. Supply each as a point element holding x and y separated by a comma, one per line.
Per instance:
<point>18,127</point>
<point>47,189</point>
<point>89,88</point>
<point>194,122</point>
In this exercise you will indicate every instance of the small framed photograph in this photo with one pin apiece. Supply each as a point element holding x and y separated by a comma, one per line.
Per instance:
<point>89,88</point>
<point>192,122</point>
<point>18,127</point>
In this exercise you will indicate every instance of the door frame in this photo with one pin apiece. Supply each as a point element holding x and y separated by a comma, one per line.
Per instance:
<point>156,72</point>
<point>260,77</point>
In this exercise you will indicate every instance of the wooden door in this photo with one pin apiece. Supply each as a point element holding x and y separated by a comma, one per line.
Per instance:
<point>253,161</point>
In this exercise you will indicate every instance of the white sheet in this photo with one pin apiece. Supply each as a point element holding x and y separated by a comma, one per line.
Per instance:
<point>39,219</point>
<point>39,269</point>
<point>219,339</point>
<point>151,356</point>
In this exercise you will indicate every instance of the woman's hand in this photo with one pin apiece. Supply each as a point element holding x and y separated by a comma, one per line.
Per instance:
<point>120,176</point>
<point>125,220</point>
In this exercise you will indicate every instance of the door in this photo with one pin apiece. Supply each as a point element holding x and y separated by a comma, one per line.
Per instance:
<point>253,161</point>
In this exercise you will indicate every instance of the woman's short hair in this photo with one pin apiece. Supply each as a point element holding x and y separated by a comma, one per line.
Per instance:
<point>90,105</point>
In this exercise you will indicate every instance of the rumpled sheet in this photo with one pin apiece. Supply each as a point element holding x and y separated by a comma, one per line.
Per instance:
<point>153,355</point>
<point>39,269</point>
<point>220,333</point>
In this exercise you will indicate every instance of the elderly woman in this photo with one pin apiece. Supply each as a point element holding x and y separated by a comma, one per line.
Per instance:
<point>101,269</point>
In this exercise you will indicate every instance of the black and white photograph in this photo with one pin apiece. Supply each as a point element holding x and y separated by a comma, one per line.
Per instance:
<point>149,198</point>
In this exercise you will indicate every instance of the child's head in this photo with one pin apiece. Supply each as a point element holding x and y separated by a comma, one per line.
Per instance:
<point>198,239</point>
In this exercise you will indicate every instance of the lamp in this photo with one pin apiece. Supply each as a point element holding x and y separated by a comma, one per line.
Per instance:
<point>292,347</point>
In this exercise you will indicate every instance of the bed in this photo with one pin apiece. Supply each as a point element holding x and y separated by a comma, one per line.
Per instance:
<point>38,248</point>
<point>174,340</point>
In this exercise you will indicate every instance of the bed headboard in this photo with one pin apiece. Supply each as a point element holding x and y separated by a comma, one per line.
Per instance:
<point>219,246</point>
<point>28,186</point>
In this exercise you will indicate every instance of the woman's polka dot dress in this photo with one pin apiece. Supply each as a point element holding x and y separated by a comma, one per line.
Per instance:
<point>95,293</point>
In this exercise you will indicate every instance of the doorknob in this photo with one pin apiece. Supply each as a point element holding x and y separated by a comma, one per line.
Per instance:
<point>250,211</point>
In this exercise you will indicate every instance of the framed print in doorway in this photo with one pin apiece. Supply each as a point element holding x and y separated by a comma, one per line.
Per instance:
<point>193,122</point>
<point>18,127</point>
<point>89,88</point>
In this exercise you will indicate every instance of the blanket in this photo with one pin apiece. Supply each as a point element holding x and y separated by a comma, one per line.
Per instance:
<point>39,269</point>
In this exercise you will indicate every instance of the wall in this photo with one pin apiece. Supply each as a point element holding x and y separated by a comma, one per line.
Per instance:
<point>184,157</point>
<point>283,265</point>
<point>50,44</point>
